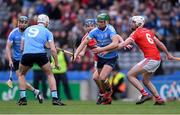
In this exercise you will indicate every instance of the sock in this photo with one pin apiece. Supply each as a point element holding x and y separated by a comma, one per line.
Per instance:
<point>54,94</point>
<point>22,93</point>
<point>107,85</point>
<point>100,87</point>
<point>36,91</point>
<point>158,98</point>
<point>144,92</point>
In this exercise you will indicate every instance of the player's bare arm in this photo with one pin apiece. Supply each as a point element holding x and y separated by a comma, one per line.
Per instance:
<point>161,46</point>
<point>54,53</point>
<point>127,42</point>
<point>8,52</point>
<point>83,51</point>
<point>122,44</point>
<point>120,38</point>
<point>80,48</point>
<point>113,45</point>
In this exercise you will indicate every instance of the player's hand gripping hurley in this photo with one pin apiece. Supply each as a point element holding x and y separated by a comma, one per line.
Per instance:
<point>9,82</point>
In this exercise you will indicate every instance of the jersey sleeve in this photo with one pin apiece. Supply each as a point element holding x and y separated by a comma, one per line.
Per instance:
<point>84,37</point>
<point>11,37</point>
<point>49,36</point>
<point>91,35</point>
<point>133,36</point>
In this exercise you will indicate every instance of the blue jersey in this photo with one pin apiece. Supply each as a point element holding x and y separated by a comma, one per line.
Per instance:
<point>15,38</point>
<point>35,38</point>
<point>104,38</point>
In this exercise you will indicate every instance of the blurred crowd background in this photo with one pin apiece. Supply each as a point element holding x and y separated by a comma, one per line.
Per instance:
<point>67,18</point>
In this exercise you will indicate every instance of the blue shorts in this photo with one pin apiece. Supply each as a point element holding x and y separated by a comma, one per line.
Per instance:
<point>29,59</point>
<point>111,62</point>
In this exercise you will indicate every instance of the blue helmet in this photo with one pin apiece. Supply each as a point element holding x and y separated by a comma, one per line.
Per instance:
<point>89,21</point>
<point>23,18</point>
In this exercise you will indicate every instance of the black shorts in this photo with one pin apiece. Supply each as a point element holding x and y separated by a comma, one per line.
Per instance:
<point>38,58</point>
<point>16,64</point>
<point>111,62</point>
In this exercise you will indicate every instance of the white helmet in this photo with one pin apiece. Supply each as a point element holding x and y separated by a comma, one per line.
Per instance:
<point>43,19</point>
<point>138,20</point>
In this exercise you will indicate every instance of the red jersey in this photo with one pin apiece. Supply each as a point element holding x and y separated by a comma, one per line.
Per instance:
<point>84,36</point>
<point>144,38</point>
<point>91,44</point>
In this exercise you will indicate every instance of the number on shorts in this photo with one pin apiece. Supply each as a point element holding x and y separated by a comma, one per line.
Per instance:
<point>148,37</point>
<point>33,32</point>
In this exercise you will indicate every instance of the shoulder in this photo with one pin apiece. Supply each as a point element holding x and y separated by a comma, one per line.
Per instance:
<point>29,27</point>
<point>137,31</point>
<point>85,35</point>
<point>14,30</point>
<point>110,27</point>
<point>94,30</point>
<point>143,30</point>
<point>48,31</point>
<point>132,33</point>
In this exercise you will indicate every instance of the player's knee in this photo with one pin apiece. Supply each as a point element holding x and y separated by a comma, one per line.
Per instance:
<point>48,71</point>
<point>50,75</point>
<point>102,78</point>
<point>95,78</point>
<point>21,73</point>
<point>129,75</point>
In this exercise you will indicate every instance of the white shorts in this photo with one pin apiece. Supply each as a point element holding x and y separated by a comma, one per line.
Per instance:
<point>95,64</point>
<point>149,65</point>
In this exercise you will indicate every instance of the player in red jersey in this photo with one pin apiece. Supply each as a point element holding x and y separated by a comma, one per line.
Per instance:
<point>148,43</point>
<point>89,25</point>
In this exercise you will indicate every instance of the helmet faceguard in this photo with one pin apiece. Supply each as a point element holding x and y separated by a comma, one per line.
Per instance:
<point>103,17</point>
<point>137,20</point>
<point>89,22</point>
<point>23,22</point>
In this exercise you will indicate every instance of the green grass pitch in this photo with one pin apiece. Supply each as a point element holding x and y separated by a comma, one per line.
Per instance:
<point>89,107</point>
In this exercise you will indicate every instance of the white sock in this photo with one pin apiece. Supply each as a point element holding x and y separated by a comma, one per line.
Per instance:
<point>36,91</point>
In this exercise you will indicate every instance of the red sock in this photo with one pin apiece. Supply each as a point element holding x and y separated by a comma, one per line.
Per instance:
<point>144,92</point>
<point>158,98</point>
<point>100,91</point>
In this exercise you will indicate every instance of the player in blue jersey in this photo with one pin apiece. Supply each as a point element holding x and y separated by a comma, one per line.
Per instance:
<point>14,53</point>
<point>107,37</point>
<point>34,39</point>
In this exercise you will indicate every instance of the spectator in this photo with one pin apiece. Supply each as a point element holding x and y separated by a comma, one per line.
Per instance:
<point>117,82</point>
<point>60,75</point>
<point>67,16</point>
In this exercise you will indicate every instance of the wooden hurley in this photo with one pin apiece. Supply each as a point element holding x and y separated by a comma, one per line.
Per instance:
<point>65,51</point>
